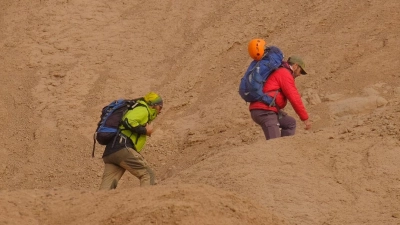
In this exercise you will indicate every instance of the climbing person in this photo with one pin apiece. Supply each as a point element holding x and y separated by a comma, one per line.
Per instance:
<point>123,153</point>
<point>280,85</point>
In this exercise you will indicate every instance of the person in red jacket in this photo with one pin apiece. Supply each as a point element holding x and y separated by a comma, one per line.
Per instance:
<point>273,121</point>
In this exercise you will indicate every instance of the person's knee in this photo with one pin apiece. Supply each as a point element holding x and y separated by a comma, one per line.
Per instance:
<point>288,125</point>
<point>291,123</point>
<point>288,122</point>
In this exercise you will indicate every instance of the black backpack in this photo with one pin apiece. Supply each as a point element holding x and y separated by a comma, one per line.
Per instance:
<point>110,120</point>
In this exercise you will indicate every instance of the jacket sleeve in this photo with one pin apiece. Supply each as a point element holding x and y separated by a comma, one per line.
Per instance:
<point>289,90</point>
<point>135,120</point>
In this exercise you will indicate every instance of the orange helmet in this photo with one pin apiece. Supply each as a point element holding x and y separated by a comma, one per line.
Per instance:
<point>256,48</point>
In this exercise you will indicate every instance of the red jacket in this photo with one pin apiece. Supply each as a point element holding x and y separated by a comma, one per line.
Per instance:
<point>282,79</point>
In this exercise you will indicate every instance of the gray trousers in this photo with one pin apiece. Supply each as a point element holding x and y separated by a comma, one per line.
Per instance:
<point>274,126</point>
<point>125,159</point>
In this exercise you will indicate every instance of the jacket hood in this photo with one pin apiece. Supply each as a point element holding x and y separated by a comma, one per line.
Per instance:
<point>152,111</point>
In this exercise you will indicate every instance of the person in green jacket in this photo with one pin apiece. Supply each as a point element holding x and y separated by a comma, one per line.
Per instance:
<point>124,152</point>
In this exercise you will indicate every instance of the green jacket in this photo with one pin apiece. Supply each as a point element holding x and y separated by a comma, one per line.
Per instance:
<point>138,116</point>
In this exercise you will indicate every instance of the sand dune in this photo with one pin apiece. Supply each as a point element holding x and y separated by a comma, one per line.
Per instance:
<point>62,61</point>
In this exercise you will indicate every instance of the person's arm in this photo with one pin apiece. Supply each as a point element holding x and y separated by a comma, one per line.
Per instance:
<point>139,129</point>
<point>289,89</point>
<point>136,121</point>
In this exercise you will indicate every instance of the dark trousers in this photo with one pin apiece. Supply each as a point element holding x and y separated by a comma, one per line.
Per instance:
<point>274,126</point>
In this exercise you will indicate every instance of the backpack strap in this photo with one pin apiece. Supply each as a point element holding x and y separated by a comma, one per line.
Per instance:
<point>257,67</point>
<point>273,100</point>
<point>94,143</point>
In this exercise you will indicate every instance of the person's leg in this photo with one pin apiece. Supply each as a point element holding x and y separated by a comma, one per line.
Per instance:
<point>288,125</point>
<point>268,120</point>
<point>137,165</point>
<point>112,174</point>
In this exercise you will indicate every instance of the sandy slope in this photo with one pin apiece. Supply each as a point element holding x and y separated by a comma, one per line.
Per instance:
<point>61,61</point>
<point>183,204</point>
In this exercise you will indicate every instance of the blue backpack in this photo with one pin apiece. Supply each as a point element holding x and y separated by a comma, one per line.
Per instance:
<point>252,83</point>
<point>110,120</point>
